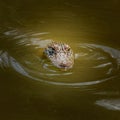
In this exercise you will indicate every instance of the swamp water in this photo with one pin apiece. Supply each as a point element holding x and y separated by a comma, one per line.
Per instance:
<point>31,88</point>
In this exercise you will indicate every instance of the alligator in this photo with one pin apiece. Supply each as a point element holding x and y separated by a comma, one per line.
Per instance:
<point>60,54</point>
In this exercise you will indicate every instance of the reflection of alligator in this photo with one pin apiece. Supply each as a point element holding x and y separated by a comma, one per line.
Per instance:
<point>60,54</point>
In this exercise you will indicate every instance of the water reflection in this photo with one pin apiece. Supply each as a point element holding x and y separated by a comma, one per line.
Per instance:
<point>26,58</point>
<point>112,104</point>
<point>4,62</point>
<point>32,88</point>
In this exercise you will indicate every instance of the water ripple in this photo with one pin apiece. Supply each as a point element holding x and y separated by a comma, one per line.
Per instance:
<point>94,63</point>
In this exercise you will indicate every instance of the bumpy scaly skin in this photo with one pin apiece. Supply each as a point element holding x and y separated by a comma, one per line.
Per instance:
<point>60,54</point>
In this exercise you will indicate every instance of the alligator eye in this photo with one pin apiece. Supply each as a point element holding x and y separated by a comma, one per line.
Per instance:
<point>68,49</point>
<point>51,51</point>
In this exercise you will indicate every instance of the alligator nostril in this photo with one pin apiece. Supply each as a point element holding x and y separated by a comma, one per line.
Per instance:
<point>63,65</point>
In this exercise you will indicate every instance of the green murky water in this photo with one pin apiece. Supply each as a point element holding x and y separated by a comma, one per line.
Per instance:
<point>31,88</point>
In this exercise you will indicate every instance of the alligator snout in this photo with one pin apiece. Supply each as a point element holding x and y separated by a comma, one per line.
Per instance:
<point>66,65</point>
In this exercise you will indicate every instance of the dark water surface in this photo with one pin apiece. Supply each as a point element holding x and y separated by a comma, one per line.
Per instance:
<point>31,88</point>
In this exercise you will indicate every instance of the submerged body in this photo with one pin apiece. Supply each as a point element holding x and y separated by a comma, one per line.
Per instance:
<point>60,54</point>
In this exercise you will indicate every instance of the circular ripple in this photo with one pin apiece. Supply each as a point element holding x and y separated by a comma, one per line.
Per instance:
<point>93,63</point>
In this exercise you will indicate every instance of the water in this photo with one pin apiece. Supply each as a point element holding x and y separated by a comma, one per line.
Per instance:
<point>31,88</point>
